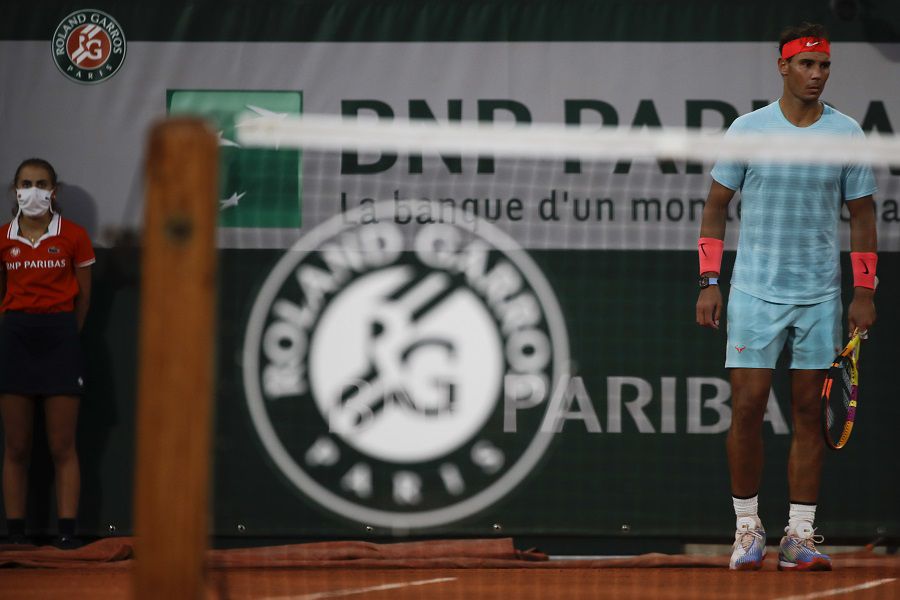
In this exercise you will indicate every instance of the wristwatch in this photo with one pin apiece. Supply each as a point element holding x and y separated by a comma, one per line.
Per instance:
<point>705,281</point>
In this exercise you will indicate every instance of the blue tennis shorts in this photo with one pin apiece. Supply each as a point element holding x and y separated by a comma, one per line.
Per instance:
<point>759,330</point>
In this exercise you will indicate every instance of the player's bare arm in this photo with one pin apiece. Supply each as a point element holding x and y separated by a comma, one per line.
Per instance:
<point>863,240</point>
<point>715,212</point>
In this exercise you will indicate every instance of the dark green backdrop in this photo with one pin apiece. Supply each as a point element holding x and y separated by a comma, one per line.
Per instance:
<point>659,485</point>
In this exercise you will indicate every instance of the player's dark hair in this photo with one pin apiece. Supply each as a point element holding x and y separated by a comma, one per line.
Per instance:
<point>40,163</point>
<point>804,29</point>
<point>36,162</point>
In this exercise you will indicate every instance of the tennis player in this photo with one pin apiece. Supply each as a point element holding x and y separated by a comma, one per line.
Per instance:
<point>45,284</point>
<point>785,291</point>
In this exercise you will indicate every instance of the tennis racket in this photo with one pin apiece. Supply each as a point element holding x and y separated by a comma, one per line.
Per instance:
<point>840,395</point>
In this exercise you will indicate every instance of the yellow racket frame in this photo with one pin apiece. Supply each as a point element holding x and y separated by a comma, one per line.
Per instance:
<point>851,352</point>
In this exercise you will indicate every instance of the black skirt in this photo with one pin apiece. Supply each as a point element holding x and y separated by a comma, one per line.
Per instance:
<point>40,355</point>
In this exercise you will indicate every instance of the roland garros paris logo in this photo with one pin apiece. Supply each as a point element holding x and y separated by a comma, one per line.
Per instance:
<point>88,46</point>
<point>379,362</point>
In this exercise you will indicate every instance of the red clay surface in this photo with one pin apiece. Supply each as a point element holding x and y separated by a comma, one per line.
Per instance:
<point>439,569</point>
<point>284,584</point>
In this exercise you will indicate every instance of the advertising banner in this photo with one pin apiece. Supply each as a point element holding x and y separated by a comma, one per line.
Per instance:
<point>585,400</point>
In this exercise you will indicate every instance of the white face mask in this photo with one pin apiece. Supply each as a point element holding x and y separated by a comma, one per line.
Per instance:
<point>33,201</point>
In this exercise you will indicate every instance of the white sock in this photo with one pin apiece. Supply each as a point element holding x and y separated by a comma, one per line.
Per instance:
<point>801,518</point>
<point>747,508</point>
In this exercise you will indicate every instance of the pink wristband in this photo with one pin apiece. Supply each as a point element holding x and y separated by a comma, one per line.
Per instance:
<point>864,264</point>
<point>710,251</point>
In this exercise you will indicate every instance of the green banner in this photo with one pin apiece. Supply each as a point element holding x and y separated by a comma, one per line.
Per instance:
<point>629,463</point>
<point>247,197</point>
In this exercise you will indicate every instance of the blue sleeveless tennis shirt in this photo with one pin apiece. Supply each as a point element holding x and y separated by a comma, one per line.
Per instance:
<point>789,247</point>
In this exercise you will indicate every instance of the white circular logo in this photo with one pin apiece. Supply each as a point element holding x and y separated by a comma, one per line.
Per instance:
<point>377,364</point>
<point>399,385</point>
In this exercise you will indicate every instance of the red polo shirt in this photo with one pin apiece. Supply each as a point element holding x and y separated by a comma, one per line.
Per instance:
<point>40,277</point>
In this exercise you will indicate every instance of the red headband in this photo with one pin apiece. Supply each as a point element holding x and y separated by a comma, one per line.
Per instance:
<point>805,44</point>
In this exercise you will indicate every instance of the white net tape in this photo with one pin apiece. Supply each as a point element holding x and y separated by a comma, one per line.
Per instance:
<point>546,186</point>
<point>546,141</point>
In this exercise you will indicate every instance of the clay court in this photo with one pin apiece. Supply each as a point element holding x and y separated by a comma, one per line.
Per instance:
<point>470,569</point>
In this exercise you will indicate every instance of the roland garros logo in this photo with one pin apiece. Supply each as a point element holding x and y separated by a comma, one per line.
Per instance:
<point>88,46</point>
<point>382,362</point>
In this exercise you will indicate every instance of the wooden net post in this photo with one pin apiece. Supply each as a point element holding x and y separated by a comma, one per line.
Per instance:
<point>175,385</point>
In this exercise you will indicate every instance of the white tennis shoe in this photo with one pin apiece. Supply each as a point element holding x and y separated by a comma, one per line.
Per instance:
<point>749,545</point>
